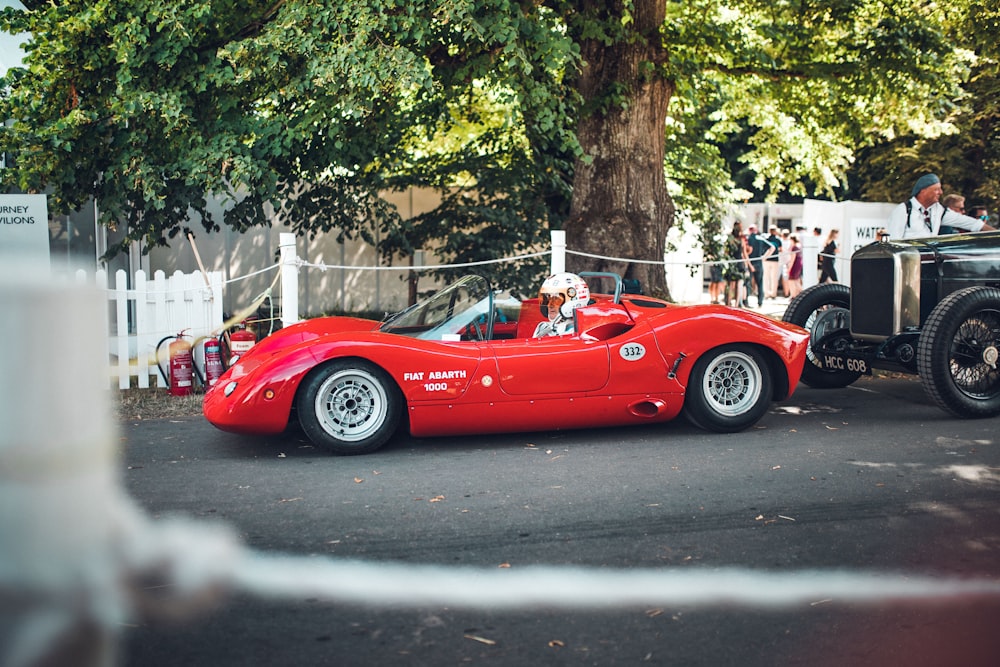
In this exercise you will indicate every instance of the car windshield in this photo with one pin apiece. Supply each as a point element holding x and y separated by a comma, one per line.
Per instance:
<point>459,311</point>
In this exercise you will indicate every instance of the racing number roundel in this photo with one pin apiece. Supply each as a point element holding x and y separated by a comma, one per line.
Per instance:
<point>632,352</point>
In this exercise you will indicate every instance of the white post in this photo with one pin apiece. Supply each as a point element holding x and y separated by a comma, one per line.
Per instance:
<point>289,279</point>
<point>810,252</point>
<point>74,549</point>
<point>558,258</point>
<point>57,500</point>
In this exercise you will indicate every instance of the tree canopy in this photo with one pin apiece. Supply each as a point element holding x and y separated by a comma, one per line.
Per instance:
<point>601,117</point>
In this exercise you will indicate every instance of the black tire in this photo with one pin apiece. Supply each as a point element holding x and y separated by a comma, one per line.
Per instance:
<point>822,310</point>
<point>729,390</point>
<point>957,353</point>
<point>349,406</point>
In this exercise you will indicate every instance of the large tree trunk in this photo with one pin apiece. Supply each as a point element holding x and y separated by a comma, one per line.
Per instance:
<point>620,206</point>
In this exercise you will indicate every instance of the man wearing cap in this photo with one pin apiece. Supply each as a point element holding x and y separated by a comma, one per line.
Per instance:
<point>923,214</point>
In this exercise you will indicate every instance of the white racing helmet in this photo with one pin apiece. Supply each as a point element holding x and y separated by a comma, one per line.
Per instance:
<point>561,294</point>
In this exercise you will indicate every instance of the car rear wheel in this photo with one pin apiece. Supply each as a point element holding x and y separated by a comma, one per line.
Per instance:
<point>957,356</point>
<point>825,312</point>
<point>349,406</point>
<point>729,389</point>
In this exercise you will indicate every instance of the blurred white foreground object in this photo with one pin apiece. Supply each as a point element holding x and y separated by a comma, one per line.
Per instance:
<point>71,542</point>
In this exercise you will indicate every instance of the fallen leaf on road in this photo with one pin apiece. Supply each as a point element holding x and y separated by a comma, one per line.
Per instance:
<point>481,640</point>
<point>436,499</point>
<point>504,566</point>
<point>289,500</point>
<point>556,643</point>
<point>358,480</point>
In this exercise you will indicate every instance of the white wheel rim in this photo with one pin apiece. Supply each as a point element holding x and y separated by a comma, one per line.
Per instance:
<point>351,405</point>
<point>732,383</point>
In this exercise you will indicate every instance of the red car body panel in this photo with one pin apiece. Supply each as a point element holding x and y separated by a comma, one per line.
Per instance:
<point>627,363</point>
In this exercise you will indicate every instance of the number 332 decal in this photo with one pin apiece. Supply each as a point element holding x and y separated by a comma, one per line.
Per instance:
<point>632,352</point>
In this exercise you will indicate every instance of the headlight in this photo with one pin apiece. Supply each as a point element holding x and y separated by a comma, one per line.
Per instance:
<point>230,388</point>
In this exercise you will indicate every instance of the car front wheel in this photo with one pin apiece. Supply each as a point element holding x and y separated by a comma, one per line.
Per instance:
<point>729,389</point>
<point>349,406</point>
<point>957,356</point>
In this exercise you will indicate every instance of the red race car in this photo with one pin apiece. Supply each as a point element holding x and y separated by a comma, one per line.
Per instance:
<point>466,360</point>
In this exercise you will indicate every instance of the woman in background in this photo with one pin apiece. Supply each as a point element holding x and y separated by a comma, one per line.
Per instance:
<point>828,258</point>
<point>795,267</point>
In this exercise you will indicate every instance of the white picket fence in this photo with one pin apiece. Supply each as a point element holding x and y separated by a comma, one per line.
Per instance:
<point>141,316</point>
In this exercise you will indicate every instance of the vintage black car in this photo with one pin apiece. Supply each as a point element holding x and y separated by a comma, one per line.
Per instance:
<point>926,306</point>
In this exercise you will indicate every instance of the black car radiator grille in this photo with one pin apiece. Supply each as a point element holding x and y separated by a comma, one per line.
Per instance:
<point>885,292</point>
<point>872,287</point>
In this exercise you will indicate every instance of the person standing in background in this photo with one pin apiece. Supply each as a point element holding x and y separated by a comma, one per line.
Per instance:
<point>795,267</point>
<point>952,202</point>
<point>785,259</point>
<point>736,268</point>
<point>716,271</point>
<point>828,258</point>
<point>772,265</point>
<point>817,233</point>
<point>979,212</point>
<point>758,251</point>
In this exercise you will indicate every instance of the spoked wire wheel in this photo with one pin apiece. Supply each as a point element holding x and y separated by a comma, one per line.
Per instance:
<point>957,355</point>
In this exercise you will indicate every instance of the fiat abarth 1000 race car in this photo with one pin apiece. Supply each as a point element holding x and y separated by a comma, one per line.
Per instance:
<point>926,306</point>
<point>466,361</point>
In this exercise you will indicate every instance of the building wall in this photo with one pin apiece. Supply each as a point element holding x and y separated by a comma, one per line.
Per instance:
<point>371,286</point>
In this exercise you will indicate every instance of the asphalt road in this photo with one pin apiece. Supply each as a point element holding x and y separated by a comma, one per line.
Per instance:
<point>871,478</point>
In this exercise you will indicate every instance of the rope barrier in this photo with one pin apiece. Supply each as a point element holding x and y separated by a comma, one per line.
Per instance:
<point>575,588</point>
<point>433,267</point>
<point>251,275</point>
<point>301,263</point>
<point>249,310</point>
<point>423,267</point>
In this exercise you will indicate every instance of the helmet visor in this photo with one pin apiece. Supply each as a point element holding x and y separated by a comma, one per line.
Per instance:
<point>550,305</point>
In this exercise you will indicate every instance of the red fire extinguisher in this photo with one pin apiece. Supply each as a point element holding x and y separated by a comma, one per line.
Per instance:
<point>240,342</point>
<point>180,379</point>
<point>213,361</point>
